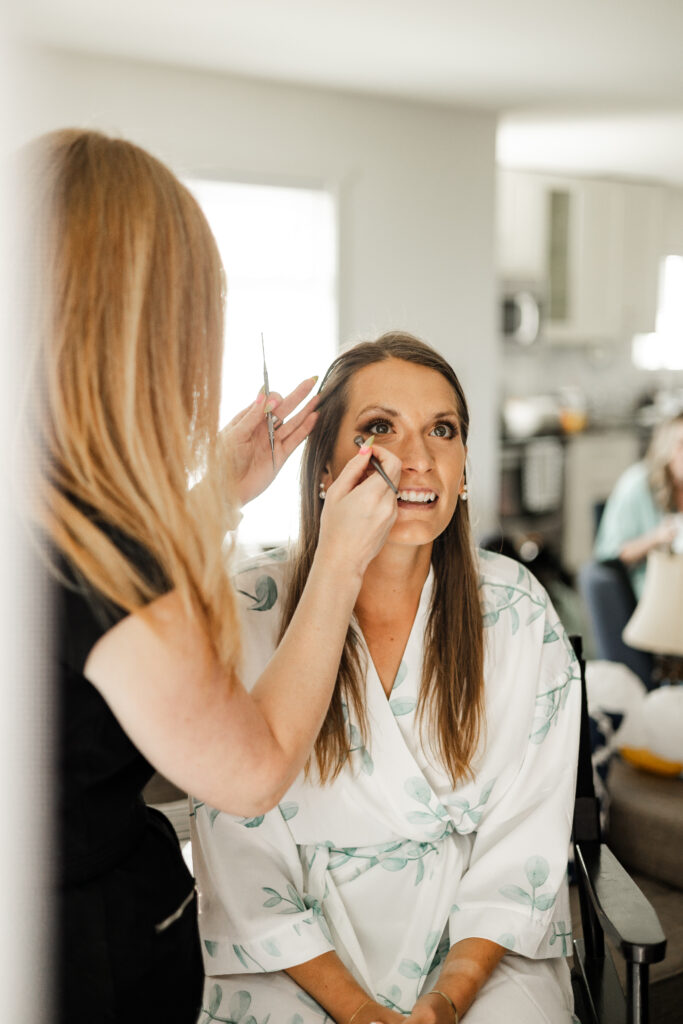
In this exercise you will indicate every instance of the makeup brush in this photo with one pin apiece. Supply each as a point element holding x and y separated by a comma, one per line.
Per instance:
<point>376,464</point>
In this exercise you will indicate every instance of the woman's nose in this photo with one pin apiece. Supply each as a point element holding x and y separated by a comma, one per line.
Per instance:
<point>414,453</point>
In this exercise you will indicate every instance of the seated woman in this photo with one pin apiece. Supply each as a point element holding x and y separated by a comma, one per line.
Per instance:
<point>417,868</point>
<point>641,511</point>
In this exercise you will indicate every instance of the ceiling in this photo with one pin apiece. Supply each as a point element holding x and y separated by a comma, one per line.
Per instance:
<point>587,85</point>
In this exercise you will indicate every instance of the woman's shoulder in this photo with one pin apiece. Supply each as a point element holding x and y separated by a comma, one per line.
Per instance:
<point>498,572</point>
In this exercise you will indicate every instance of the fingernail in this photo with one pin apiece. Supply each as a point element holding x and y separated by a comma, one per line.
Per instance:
<point>367,445</point>
<point>314,379</point>
<point>261,397</point>
<point>271,404</point>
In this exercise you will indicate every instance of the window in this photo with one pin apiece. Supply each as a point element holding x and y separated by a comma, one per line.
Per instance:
<point>663,350</point>
<point>278,247</point>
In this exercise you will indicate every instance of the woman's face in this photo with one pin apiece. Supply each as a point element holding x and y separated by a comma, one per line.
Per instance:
<point>412,410</point>
<point>676,460</point>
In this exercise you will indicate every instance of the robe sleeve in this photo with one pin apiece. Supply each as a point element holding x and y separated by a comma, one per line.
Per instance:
<point>253,915</point>
<point>514,891</point>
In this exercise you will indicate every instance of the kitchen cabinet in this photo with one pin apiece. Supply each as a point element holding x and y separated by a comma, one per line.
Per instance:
<point>521,228</point>
<point>593,464</point>
<point>643,248</point>
<point>591,248</point>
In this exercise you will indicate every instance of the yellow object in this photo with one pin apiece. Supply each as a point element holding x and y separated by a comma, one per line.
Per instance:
<point>641,758</point>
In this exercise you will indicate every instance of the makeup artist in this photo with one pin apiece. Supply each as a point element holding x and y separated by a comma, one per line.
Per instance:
<point>125,322</point>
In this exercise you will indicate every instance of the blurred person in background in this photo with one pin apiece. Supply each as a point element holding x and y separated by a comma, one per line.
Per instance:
<point>645,509</point>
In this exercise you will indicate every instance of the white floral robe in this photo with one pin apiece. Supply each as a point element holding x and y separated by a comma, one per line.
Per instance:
<point>389,865</point>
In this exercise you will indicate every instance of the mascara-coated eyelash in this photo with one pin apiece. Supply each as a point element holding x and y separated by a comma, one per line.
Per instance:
<point>451,428</point>
<point>369,427</point>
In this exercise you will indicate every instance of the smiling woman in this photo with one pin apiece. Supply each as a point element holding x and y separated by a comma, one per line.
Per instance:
<point>440,788</point>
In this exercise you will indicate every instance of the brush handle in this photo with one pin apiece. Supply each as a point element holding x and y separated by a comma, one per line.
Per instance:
<point>377,465</point>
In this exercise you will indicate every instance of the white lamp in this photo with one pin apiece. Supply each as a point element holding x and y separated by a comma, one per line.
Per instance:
<point>657,623</point>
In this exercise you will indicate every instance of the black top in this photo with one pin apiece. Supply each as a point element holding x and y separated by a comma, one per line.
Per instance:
<point>122,875</point>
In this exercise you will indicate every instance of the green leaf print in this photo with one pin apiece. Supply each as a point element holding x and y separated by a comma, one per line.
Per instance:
<point>400,676</point>
<point>392,999</point>
<point>420,818</point>
<point>294,896</point>
<point>564,934</point>
<point>514,892</point>
<point>410,969</point>
<point>431,942</point>
<point>215,999</point>
<point>213,814</point>
<point>393,863</point>
<point>289,810</point>
<point>403,706</point>
<point>507,940</point>
<point>271,947</point>
<point>239,1004</point>
<point>296,1019</point>
<point>550,635</point>
<point>418,789</point>
<point>368,763</point>
<point>240,956</point>
<point>490,618</point>
<point>537,870</point>
<point>253,822</point>
<point>264,596</point>
<point>211,947</point>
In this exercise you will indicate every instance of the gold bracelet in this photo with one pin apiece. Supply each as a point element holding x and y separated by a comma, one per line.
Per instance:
<point>436,992</point>
<point>358,1009</point>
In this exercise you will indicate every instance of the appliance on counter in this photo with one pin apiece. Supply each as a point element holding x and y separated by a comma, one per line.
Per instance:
<point>521,313</point>
<point>532,480</point>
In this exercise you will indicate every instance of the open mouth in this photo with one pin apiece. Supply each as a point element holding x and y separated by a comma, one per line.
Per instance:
<point>417,499</point>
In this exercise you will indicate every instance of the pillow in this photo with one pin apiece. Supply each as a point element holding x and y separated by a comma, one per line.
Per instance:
<point>652,738</point>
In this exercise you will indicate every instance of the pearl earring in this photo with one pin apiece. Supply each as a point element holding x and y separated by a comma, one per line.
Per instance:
<point>464,494</point>
<point>321,492</point>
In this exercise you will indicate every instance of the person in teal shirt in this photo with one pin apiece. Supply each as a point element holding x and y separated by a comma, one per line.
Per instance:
<point>644,509</point>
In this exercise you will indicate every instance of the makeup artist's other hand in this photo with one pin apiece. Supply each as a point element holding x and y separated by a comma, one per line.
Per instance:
<point>246,443</point>
<point>360,510</point>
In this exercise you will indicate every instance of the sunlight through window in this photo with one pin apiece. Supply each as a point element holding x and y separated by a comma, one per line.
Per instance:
<point>663,349</point>
<point>278,247</point>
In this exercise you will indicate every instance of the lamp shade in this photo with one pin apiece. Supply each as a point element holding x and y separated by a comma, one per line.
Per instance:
<point>657,623</point>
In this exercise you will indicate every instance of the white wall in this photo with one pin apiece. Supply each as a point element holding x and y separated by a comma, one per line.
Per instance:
<point>415,188</point>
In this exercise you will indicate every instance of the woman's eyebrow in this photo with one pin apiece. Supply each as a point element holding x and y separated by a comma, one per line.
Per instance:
<point>394,412</point>
<point>378,408</point>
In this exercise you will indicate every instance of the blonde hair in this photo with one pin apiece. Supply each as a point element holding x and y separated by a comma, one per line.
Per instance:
<point>658,458</point>
<point>125,323</point>
<point>451,698</point>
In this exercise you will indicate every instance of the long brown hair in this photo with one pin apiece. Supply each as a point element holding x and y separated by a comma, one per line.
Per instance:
<point>450,704</point>
<point>124,319</point>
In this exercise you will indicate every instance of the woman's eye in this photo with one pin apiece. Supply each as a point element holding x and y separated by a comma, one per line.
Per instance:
<point>444,430</point>
<point>379,427</point>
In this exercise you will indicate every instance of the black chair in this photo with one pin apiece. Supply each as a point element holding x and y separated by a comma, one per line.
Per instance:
<point>612,908</point>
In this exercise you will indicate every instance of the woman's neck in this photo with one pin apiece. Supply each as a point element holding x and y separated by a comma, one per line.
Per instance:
<point>393,583</point>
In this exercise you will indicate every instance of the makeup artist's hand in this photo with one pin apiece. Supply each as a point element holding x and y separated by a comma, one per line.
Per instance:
<point>246,443</point>
<point>360,510</point>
